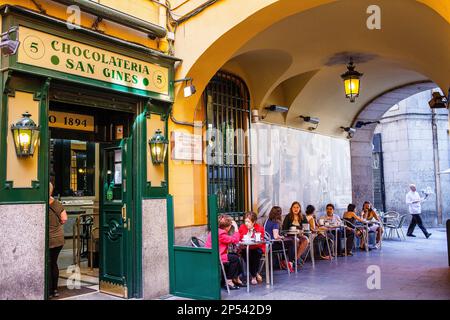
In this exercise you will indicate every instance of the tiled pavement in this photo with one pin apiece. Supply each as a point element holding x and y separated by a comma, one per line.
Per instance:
<point>413,269</point>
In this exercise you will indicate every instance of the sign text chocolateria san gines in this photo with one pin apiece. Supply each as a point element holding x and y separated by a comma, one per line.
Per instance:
<point>55,53</point>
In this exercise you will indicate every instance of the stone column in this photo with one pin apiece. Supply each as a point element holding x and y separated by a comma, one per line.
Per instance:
<point>22,252</point>
<point>155,254</point>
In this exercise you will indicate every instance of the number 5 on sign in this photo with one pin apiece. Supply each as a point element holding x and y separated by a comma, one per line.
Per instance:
<point>70,121</point>
<point>34,47</point>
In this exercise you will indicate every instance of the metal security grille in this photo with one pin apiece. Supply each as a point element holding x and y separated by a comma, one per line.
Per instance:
<point>378,173</point>
<point>228,121</point>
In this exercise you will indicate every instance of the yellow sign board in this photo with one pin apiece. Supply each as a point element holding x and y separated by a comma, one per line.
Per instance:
<point>55,53</point>
<point>70,121</point>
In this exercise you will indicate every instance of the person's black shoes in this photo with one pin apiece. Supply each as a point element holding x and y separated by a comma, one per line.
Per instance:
<point>411,235</point>
<point>428,235</point>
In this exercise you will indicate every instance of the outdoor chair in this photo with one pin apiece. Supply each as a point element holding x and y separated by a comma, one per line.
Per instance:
<point>308,248</point>
<point>354,227</point>
<point>390,218</point>
<point>279,253</point>
<point>396,225</point>
<point>199,243</point>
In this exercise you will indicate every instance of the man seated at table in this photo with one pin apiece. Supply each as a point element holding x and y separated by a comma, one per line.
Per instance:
<point>329,220</point>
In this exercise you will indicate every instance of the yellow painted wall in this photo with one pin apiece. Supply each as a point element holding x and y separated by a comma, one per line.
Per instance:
<point>17,105</point>
<point>204,50</point>
<point>143,9</point>
<point>440,6</point>
<point>155,173</point>
<point>188,181</point>
<point>206,43</point>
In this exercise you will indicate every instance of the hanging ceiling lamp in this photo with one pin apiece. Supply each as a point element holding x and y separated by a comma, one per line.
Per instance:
<point>351,81</point>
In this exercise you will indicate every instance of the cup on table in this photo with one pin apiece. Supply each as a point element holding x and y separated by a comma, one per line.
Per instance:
<point>257,236</point>
<point>327,223</point>
<point>305,226</point>
<point>293,228</point>
<point>246,238</point>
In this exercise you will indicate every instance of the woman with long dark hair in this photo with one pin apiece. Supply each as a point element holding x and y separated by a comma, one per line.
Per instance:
<point>295,218</point>
<point>273,228</point>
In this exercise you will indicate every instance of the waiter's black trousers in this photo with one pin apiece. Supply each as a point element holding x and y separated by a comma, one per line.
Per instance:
<point>416,219</point>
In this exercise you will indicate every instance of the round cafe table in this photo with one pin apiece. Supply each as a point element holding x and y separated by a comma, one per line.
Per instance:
<point>247,245</point>
<point>294,233</point>
<point>335,249</point>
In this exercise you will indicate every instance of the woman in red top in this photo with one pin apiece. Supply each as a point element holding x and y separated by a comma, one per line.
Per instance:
<point>250,227</point>
<point>231,261</point>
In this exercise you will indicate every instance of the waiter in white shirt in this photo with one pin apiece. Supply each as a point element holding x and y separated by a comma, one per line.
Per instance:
<point>413,200</point>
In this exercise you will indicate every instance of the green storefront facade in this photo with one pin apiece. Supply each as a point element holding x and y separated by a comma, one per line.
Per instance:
<point>74,77</point>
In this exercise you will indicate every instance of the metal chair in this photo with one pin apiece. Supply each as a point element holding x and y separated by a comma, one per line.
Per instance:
<point>390,218</point>
<point>199,243</point>
<point>279,252</point>
<point>397,226</point>
<point>356,227</point>
<point>308,249</point>
<point>224,275</point>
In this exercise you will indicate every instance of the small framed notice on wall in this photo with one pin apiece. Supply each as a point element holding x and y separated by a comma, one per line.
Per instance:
<point>186,146</point>
<point>119,132</point>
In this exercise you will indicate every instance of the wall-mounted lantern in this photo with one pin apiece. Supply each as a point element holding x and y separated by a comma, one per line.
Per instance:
<point>351,81</point>
<point>158,147</point>
<point>26,136</point>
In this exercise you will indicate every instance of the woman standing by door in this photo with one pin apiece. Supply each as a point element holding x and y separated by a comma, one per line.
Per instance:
<point>57,216</point>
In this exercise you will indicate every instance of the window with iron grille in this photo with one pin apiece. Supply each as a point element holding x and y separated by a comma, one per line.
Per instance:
<point>228,122</point>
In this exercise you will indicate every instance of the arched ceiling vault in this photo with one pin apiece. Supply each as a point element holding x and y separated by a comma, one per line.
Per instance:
<point>297,62</point>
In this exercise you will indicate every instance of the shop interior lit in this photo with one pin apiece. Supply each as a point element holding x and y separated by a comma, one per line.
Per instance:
<point>85,169</point>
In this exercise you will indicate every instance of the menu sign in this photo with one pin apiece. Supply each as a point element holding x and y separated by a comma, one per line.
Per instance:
<point>186,146</point>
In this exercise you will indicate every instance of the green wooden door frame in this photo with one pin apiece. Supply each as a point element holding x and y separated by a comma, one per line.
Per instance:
<point>145,100</point>
<point>114,232</point>
<point>194,272</point>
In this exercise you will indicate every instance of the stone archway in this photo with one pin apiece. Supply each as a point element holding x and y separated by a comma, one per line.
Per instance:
<point>361,143</point>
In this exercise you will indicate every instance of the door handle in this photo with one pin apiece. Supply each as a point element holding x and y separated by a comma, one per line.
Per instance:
<point>124,213</point>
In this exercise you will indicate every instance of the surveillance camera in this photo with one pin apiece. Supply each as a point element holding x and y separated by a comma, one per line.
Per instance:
<point>9,47</point>
<point>312,120</point>
<point>276,108</point>
<point>349,130</point>
<point>189,91</point>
